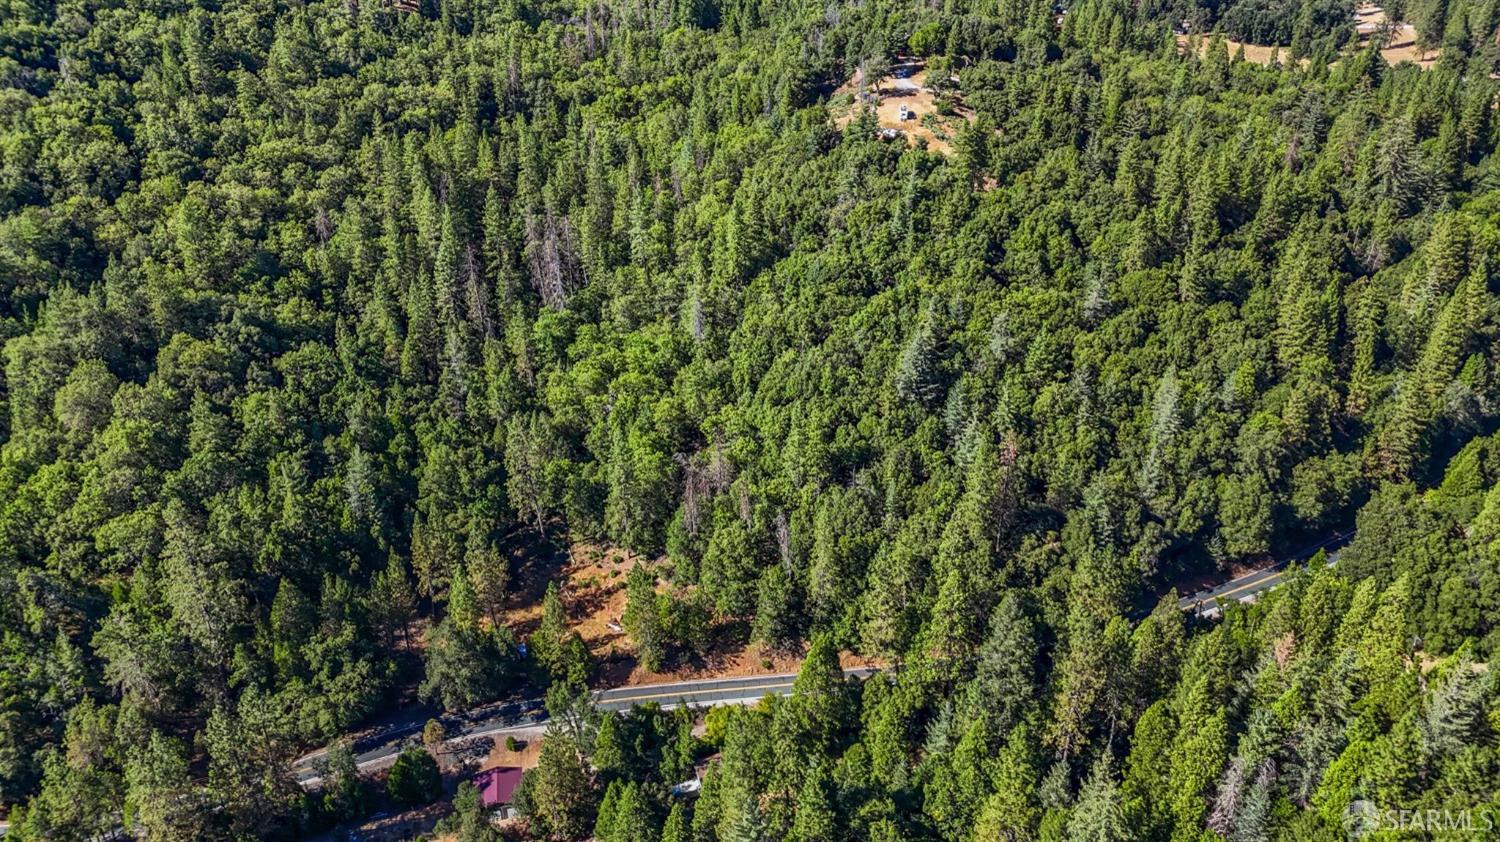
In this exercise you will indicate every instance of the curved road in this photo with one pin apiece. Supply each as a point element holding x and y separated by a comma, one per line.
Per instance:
<point>528,719</point>
<point>1207,603</point>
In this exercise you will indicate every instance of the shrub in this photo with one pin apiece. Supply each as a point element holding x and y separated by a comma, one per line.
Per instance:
<point>414,779</point>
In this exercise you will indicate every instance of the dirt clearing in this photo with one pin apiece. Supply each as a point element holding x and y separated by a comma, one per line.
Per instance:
<point>1256,53</point>
<point>905,106</point>
<point>1400,43</point>
<point>591,581</point>
<point>525,756</point>
<point>1369,22</point>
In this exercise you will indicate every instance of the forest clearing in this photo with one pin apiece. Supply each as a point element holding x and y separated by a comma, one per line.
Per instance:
<point>1369,20</point>
<point>904,102</point>
<point>1400,45</point>
<point>591,580</point>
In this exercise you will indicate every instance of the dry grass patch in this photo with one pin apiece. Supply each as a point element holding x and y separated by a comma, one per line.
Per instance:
<point>1369,22</point>
<point>906,86</point>
<point>591,581</point>
<point>525,756</point>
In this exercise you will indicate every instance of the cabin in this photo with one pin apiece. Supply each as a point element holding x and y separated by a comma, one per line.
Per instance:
<point>497,789</point>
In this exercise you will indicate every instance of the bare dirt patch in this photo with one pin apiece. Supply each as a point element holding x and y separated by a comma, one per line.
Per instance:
<point>1257,53</point>
<point>1369,22</point>
<point>1400,42</point>
<point>590,579</point>
<point>904,90</point>
<point>735,661</point>
<point>525,756</point>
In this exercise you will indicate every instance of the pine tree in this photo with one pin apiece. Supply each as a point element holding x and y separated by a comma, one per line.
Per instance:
<point>1198,756</point>
<point>343,794</point>
<point>1099,815</point>
<point>392,599</point>
<point>548,639</point>
<point>917,370</point>
<point>292,619</point>
<point>528,465</point>
<point>777,623</point>
<point>1383,648</point>
<point>1148,767</point>
<point>447,275</point>
<point>633,819</point>
<point>677,828</point>
<point>489,573</point>
<point>1431,25</point>
<point>709,809</point>
<point>1455,717</point>
<point>820,696</point>
<point>1011,812</point>
<point>607,818</point>
<point>563,797</point>
<point>816,820</point>
<point>642,618</point>
<point>463,608</point>
<point>746,823</point>
<point>1308,282</point>
<point>1254,821</point>
<point>1004,684</point>
<point>608,756</point>
<point>419,356</point>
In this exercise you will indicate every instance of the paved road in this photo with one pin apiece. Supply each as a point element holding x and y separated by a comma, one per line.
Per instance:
<point>716,691</point>
<point>527,719</point>
<point>1246,588</point>
<point>379,748</point>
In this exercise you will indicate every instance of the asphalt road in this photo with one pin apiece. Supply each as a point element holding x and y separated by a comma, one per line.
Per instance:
<point>1206,603</point>
<point>714,691</point>
<point>528,718</point>
<point>380,747</point>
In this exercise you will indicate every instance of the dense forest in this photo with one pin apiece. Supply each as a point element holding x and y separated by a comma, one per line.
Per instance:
<point>311,310</point>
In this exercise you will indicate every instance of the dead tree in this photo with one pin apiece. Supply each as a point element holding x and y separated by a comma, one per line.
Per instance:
<point>552,258</point>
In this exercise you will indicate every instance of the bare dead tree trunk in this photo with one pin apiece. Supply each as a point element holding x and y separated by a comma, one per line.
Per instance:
<point>694,492</point>
<point>477,293</point>
<point>744,501</point>
<point>552,257</point>
<point>784,541</point>
<point>720,471</point>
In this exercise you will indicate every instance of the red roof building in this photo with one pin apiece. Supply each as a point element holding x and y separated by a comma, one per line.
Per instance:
<point>497,786</point>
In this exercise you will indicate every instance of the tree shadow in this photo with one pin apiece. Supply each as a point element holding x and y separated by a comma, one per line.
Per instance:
<point>535,560</point>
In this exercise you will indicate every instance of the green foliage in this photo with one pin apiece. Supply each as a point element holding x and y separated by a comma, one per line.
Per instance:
<point>467,665</point>
<point>469,820</point>
<point>321,321</point>
<point>561,797</point>
<point>1099,815</point>
<point>414,778</point>
<point>642,618</point>
<point>344,795</point>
